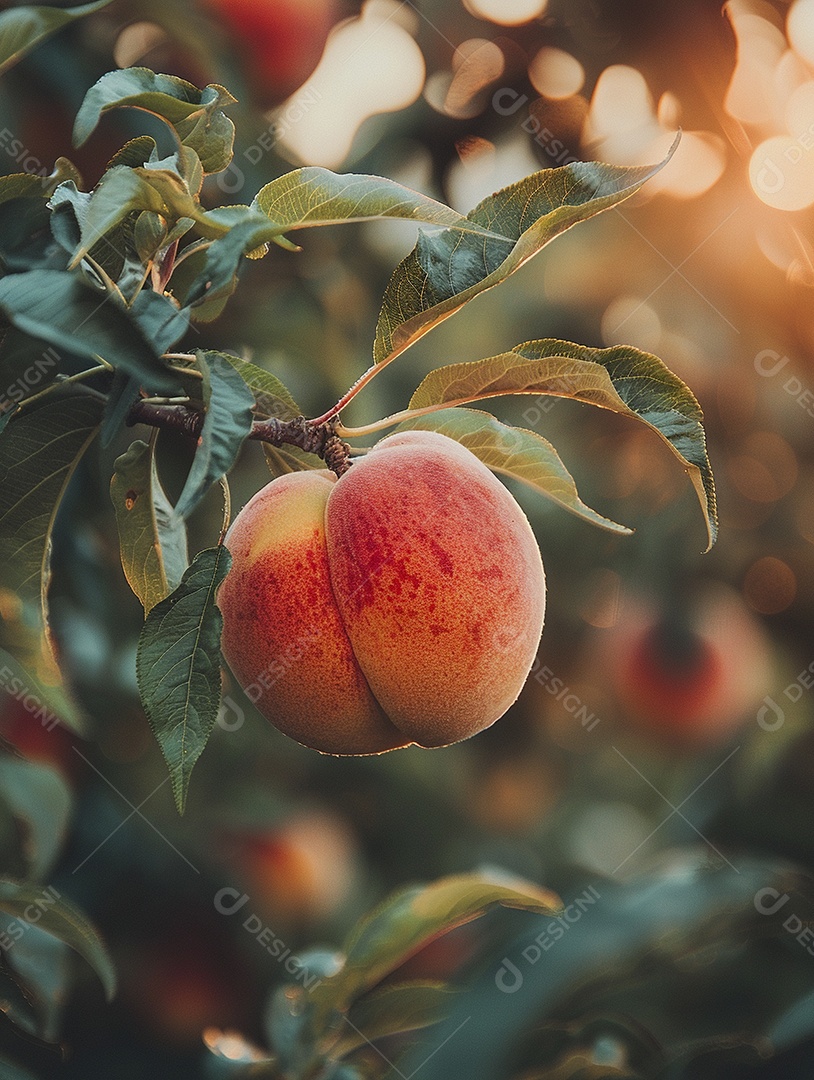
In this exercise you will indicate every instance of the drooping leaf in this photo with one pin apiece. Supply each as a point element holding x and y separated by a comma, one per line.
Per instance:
<point>228,420</point>
<point>447,269</point>
<point>38,797</point>
<point>620,378</point>
<point>410,918</point>
<point>39,451</point>
<point>178,666</point>
<point>626,956</point>
<point>515,452</point>
<point>61,309</point>
<point>152,535</point>
<point>22,28</point>
<point>316,196</point>
<point>56,916</point>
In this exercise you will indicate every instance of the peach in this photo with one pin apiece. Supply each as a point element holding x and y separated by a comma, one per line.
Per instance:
<point>402,603</point>
<point>688,679</point>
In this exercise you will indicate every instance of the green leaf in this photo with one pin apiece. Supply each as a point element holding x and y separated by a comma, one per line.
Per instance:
<point>21,29</point>
<point>178,666</point>
<point>219,263</point>
<point>38,797</point>
<point>228,421</point>
<point>514,452</point>
<point>620,378</point>
<point>120,191</point>
<point>392,1010</point>
<point>40,966</point>
<point>409,919</point>
<point>271,397</point>
<point>445,270</point>
<point>63,921</point>
<point>196,115</point>
<point>186,275</point>
<point>38,454</point>
<point>210,132</point>
<point>62,310</point>
<point>152,535</point>
<point>149,235</point>
<point>124,391</point>
<point>315,196</point>
<point>159,319</point>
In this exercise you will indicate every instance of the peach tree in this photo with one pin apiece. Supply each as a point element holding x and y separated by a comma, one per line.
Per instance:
<point>111,278</point>
<point>102,281</point>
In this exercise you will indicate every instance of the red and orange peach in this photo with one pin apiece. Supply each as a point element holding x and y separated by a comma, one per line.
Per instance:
<point>402,603</point>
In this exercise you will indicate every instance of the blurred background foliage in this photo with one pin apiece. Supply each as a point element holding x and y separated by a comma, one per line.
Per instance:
<point>671,706</point>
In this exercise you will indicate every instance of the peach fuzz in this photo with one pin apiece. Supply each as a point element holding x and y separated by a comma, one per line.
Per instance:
<point>402,603</point>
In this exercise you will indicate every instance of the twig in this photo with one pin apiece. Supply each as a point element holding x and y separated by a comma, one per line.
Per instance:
<point>319,439</point>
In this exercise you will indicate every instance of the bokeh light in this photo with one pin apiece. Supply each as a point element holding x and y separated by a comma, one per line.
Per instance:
<point>506,12</point>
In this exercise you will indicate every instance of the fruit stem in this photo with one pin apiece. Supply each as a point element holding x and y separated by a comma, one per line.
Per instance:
<point>319,439</point>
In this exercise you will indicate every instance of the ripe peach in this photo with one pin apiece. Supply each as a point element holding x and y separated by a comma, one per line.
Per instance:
<point>280,41</point>
<point>690,682</point>
<point>402,603</point>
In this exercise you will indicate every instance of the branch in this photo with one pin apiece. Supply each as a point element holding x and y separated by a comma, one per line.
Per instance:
<point>320,439</point>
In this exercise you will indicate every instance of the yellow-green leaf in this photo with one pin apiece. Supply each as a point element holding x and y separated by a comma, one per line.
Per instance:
<point>621,378</point>
<point>515,452</point>
<point>411,917</point>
